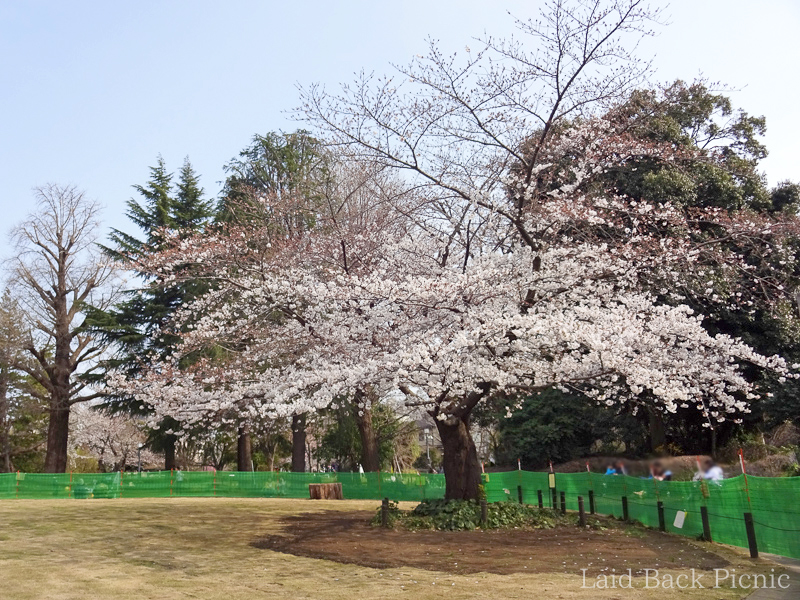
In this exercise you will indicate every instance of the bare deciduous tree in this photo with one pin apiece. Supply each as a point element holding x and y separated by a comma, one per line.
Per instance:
<point>55,271</point>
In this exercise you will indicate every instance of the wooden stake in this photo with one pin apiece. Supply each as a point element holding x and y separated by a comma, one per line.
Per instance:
<point>625,516</point>
<point>385,513</point>
<point>751,534</point>
<point>706,524</point>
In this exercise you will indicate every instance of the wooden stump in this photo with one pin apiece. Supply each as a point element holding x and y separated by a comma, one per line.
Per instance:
<point>325,491</point>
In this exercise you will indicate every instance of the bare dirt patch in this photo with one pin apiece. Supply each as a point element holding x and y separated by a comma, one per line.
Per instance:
<point>347,537</point>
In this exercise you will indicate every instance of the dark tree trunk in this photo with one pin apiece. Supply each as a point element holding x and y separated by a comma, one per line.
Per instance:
<point>658,433</point>
<point>714,443</point>
<point>299,443</point>
<point>244,455</point>
<point>370,456</point>
<point>55,460</point>
<point>170,441</point>
<point>462,470</point>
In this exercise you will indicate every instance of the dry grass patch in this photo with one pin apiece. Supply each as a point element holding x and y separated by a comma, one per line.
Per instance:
<point>206,548</point>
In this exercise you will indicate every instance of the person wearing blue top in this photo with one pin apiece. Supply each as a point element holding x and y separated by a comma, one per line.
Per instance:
<point>709,471</point>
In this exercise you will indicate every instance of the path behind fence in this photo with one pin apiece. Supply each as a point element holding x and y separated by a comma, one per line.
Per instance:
<point>773,502</point>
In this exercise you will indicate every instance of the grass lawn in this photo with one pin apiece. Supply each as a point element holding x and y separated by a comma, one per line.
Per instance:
<point>203,548</point>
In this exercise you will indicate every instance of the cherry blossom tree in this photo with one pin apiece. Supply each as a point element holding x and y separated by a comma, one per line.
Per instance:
<point>113,439</point>
<point>399,318</point>
<point>485,257</point>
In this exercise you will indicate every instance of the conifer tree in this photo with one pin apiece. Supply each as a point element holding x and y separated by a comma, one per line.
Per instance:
<point>138,326</point>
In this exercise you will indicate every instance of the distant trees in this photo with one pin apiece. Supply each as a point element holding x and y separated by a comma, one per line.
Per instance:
<point>112,439</point>
<point>343,442</point>
<point>55,272</point>
<point>23,419</point>
<point>746,285</point>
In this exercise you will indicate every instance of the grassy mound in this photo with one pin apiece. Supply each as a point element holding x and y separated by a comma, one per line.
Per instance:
<point>460,515</point>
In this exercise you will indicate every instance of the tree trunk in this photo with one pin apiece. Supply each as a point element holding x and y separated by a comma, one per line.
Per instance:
<point>55,460</point>
<point>299,443</point>
<point>370,457</point>
<point>244,455</point>
<point>462,470</point>
<point>5,428</point>
<point>713,443</point>
<point>169,452</point>
<point>658,433</point>
<point>325,491</point>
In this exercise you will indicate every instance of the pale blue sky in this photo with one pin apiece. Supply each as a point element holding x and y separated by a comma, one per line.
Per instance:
<point>93,91</point>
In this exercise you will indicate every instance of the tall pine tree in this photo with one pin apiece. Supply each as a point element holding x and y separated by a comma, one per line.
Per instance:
<point>138,326</point>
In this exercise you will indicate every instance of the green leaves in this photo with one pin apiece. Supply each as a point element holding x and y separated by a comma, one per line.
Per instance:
<point>465,515</point>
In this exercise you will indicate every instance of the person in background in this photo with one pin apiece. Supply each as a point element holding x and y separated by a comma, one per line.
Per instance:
<point>658,472</point>
<point>620,468</point>
<point>610,470</point>
<point>709,471</point>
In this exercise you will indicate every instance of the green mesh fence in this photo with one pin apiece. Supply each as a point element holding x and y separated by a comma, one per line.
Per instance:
<point>774,502</point>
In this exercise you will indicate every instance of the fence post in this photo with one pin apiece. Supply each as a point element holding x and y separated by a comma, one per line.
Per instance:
<point>625,516</point>
<point>581,512</point>
<point>591,502</point>
<point>555,500</point>
<point>519,493</point>
<point>121,475</point>
<point>706,524</point>
<point>484,513</point>
<point>541,500</point>
<point>662,522</point>
<point>751,534</point>
<point>563,503</point>
<point>385,512</point>
<point>170,481</point>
